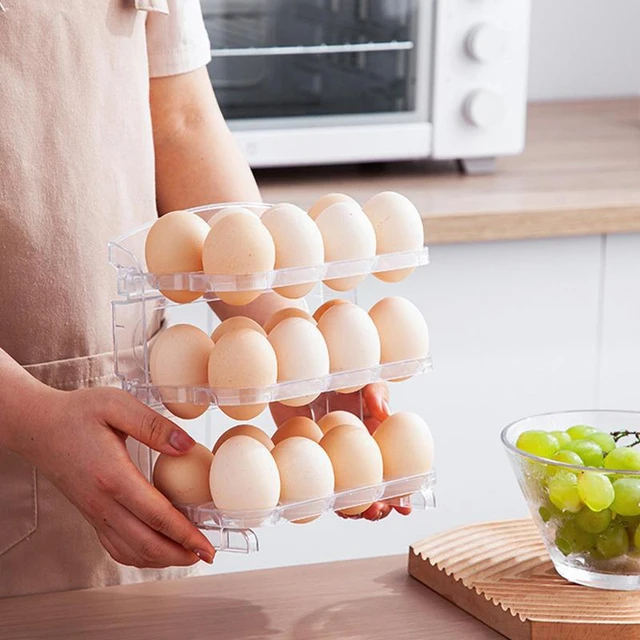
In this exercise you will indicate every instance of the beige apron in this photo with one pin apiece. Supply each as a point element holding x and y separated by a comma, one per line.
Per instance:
<point>76,170</point>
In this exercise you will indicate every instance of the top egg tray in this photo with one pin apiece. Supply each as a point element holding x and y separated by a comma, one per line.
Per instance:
<point>127,253</point>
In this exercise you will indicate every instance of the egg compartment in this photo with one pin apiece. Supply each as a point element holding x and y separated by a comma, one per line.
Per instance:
<point>233,530</point>
<point>136,322</point>
<point>127,256</point>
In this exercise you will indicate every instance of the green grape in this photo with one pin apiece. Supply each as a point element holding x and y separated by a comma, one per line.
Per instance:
<point>580,431</point>
<point>604,440</point>
<point>568,457</point>
<point>548,511</point>
<point>561,436</point>
<point>545,514</point>
<point>593,522</point>
<point>590,453</point>
<point>563,544</point>
<point>538,443</point>
<point>627,497</point>
<point>536,475</point>
<point>571,539</point>
<point>563,491</point>
<point>630,523</point>
<point>595,490</point>
<point>623,459</point>
<point>613,541</point>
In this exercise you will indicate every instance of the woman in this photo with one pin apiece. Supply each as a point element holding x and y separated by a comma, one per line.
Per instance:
<point>107,119</point>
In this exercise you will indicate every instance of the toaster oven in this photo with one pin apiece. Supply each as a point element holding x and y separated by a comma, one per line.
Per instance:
<point>305,82</point>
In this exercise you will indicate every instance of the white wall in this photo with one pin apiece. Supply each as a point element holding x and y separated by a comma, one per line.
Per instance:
<point>584,49</point>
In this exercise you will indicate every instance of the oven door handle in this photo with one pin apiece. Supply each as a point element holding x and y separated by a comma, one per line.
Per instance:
<point>313,49</point>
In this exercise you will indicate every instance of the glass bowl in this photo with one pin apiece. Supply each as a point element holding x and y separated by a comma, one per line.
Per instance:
<point>589,547</point>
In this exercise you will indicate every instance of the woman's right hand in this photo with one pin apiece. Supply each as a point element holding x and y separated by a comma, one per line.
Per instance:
<point>77,440</point>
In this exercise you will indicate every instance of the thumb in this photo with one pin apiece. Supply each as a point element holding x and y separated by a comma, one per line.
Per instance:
<point>149,427</point>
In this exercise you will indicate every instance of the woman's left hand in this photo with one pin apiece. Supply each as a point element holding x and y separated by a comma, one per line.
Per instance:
<point>375,398</point>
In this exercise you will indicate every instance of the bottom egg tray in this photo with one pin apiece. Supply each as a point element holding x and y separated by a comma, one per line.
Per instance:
<point>233,530</point>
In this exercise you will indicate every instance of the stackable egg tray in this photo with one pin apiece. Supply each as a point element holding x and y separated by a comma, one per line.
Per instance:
<point>233,530</point>
<point>133,346</point>
<point>142,313</point>
<point>126,254</point>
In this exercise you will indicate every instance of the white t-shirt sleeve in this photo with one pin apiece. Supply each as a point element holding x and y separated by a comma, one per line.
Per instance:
<point>177,42</point>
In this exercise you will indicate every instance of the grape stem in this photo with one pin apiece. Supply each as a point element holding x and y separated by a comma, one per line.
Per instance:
<point>619,435</point>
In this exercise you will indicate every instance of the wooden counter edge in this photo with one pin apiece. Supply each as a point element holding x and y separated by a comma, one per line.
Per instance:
<point>485,227</point>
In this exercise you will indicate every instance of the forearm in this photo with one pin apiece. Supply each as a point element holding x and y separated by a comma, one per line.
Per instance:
<point>197,159</point>
<point>198,162</point>
<point>21,396</point>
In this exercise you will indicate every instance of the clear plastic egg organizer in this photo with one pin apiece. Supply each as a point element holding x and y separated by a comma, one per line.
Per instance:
<point>126,254</point>
<point>142,312</point>
<point>232,530</point>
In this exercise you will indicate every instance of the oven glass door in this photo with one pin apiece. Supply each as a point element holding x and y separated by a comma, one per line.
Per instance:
<point>333,61</point>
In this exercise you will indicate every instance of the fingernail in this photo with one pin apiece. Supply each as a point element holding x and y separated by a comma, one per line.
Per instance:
<point>205,556</point>
<point>180,441</point>
<point>386,408</point>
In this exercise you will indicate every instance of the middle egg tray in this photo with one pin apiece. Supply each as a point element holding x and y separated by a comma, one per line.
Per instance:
<point>137,322</point>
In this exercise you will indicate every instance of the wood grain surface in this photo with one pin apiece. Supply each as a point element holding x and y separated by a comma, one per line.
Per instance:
<point>500,572</point>
<point>579,175</point>
<point>371,599</point>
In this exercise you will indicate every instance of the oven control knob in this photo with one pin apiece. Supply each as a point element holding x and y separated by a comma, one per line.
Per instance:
<point>486,43</point>
<point>483,108</point>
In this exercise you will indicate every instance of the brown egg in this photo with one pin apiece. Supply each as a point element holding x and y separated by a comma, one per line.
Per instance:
<point>174,245</point>
<point>406,444</point>
<point>238,244</point>
<point>402,329</point>
<point>184,479</point>
<point>237,322</point>
<point>306,473</point>
<point>242,359</point>
<point>398,228</point>
<point>356,460</point>
<point>338,418</point>
<point>352,340</point>
<point>326,201</point>
<point>244,430</point>
<point>297,426</point>
<point>220,215</point>
<point>302,355</point>
<point>244,477</point>
<point>180,358</point>
<point>283,314</point>
<point>298,243</point>
<point>347,234</point>
<point>320,311</point>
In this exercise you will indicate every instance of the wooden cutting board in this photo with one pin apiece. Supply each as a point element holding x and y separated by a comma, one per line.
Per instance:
<point>500,573</point>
